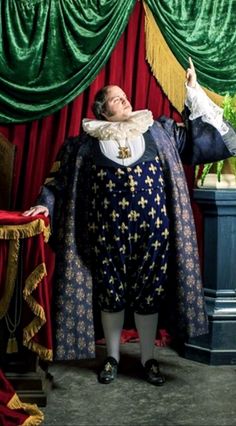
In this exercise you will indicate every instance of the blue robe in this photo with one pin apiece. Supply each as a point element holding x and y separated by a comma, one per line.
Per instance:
<point>66,196</point>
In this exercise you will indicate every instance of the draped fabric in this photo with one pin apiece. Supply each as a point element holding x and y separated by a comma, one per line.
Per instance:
<point>52,50</point>
<point>204,30</point>
<point>13,412</point>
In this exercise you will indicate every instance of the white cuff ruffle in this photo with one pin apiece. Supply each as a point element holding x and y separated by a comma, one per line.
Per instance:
<point>200,105</point>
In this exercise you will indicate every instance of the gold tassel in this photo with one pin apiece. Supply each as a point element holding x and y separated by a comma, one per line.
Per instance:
<point>165,67</point>
<point>12,345</point>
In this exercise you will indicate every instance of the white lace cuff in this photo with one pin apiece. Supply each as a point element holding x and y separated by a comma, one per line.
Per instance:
<point>200,105</point>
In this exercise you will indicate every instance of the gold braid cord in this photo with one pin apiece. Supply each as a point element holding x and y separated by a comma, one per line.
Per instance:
<point>165,67</point>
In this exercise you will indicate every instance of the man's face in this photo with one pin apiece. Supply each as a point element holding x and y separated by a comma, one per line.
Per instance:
<point>118,107</point>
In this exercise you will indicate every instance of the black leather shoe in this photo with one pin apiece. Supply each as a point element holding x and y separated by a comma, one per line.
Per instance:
<point>109,371</point>
<point>152,373</point>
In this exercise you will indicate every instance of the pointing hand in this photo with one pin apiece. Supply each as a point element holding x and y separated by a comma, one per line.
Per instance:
<point>191,76</point>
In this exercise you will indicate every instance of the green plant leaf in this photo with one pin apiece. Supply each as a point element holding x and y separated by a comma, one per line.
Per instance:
<point>219,167</point>
<point>205,171</point>
<point>229,109</point>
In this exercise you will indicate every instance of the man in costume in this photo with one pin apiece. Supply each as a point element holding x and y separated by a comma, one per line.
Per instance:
<point>123,228</point>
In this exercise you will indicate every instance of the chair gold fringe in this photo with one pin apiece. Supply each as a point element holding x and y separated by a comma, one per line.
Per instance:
<point>27,230</point>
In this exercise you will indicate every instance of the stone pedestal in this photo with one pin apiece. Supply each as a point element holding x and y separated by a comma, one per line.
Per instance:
<point>27,384</point>
<point>219,278</point>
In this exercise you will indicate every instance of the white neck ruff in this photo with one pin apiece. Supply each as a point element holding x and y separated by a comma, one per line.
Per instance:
<point>137,124</point>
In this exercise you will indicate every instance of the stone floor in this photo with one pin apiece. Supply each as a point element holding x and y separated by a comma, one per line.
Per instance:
<point>194,393</point>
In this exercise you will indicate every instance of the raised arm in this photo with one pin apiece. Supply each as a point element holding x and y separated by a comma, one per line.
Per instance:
<point>206,136</point>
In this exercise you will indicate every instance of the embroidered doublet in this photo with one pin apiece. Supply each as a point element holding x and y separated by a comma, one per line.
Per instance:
<point>129,228</point>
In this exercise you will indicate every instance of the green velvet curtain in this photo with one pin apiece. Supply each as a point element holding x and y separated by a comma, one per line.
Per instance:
<point>51,50</point>
<point>204,30</point>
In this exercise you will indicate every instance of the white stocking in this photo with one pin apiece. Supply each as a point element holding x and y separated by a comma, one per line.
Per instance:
<point>112,323</point>
<point>147,327</point>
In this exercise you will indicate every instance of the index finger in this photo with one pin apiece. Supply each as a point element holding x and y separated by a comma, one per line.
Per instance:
<point>191,63</point>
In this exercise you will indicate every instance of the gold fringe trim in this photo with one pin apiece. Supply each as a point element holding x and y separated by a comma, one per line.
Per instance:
<point>36,416</point>
<point>12,267</point>
<point>44,353</point>
<point>27,230</point>
<point>165,67</point>
<point>39,320</point>
<point>34,279</point>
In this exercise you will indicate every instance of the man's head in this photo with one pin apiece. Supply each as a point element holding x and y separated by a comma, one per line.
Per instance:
<point>111,104</point>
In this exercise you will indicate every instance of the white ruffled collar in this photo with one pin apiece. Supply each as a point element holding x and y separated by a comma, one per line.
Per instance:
<point>137,124</point>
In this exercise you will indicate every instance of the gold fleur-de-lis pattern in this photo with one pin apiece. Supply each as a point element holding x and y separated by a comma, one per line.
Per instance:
<point>129,232</point>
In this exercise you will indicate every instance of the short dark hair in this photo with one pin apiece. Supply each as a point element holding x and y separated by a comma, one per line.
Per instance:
<point>99,103</point>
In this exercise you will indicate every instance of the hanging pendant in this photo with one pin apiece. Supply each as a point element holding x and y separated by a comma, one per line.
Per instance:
<point>124,152</point>
<point>12,346</point>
